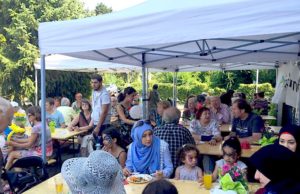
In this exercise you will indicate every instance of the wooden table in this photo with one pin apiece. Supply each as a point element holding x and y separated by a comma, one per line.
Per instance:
<point>216,150</point>
<point>183,187</point>
<point>268,117</point>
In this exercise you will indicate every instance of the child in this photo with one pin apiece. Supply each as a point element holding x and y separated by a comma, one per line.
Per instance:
<point>231,149</point>
<point>32,146</point>
<point>113,144</point>
<point>188,155</point>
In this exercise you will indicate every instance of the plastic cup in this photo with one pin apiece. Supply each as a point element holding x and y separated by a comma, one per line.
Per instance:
<point>59,185</point>
<point>207,180</point>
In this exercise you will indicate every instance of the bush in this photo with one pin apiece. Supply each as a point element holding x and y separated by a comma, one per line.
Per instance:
<point>249,90</point>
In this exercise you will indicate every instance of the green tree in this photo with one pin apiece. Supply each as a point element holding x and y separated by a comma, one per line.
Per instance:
<point>102,9</point>
<point>19,41</point>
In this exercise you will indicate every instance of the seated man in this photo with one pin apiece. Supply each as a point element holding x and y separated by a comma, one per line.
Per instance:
<point>54,115</point>
<point>190,112</point>
<point>67,111</point>
<point>220,112</point>
<point>246,125</point>
<point>173,133</point>
<point>260,103</point>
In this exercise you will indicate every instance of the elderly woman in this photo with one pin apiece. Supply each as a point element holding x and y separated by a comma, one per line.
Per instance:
<point>148,154</point>
<point>203,128</point>
<point>190,112</point>
<point>277,170</point>
<point>83,122</point>
<point>289,136</point>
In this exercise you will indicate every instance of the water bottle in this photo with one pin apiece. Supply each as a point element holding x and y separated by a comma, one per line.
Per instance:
<point>98,146</point>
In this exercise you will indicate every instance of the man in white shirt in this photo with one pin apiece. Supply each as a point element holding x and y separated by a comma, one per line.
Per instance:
<point>101,106</point>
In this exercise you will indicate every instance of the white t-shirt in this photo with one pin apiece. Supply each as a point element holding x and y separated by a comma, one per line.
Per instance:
<point>100,98</point>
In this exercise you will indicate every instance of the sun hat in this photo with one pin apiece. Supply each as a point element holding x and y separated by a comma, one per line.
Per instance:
<point>100,173</point>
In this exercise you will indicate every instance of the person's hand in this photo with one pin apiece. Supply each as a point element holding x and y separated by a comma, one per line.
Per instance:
<point>8,143</point>
<point>212,142</point>
<point>126,172</point>
<point>159,174</point>
<point>96,131</point>
<point>76,128</point>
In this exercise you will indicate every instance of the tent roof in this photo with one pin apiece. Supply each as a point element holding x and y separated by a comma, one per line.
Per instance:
<point>66,63</point>
<point>183,35</point>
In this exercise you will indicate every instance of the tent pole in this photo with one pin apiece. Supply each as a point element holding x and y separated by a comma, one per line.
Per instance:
<point>144,85</point>
<point>257,74</point>
<point>36,86</point>
<point>43,106</point>
<point>175,87</point>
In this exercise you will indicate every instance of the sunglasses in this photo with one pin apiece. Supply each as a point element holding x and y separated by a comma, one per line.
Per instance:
<point>141,123</point>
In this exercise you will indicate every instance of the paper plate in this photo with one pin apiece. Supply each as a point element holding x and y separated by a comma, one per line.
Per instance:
<point>139,178</point>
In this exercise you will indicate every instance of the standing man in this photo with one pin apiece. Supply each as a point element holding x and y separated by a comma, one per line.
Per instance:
<point>101,106</point>
<point>153,99</point>
<point>6,116</point>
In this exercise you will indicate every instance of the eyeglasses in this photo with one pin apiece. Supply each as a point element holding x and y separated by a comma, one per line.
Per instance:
<point>141,123</point>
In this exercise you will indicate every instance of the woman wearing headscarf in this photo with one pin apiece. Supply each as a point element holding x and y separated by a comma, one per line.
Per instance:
<point>147,154</point>
<point>277,170</point>
<point>289,136</point>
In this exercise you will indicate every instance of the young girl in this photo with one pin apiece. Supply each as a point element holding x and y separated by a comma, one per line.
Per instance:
<point>188,155</point>
<point>31,146</point>
<point>112,144</point>
<point>231,149</point>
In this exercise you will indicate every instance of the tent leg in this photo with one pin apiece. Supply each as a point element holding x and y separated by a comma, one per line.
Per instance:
<point>144,92</point>
<point>175,88</point>
<point>257,74</point>
<point>43,106</point>
<point>36,86</point>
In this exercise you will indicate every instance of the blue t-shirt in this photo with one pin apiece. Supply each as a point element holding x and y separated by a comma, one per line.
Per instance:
<point>57,117</point>
<point>244,128</point>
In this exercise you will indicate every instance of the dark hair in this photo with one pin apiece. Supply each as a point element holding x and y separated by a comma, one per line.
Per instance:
<point>243,104</point>
<point>127,91</point>
<point>184,149</point>
<point>234,143</point>
<point>201,111</point>
<point>243,96</point>
<point>261,94</point>
<point>161,186</point>
<point>114,134</point>
<point>187,100</point>
<point>35,111</point>
<point>201,98</point>
<point>293,130</point>
<point>50,101</point>
<point>97,77</point>
<point>155,86</point>
<point>86,101</point>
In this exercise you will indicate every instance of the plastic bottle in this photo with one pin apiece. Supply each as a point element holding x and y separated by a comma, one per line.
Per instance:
<point>98,146</point>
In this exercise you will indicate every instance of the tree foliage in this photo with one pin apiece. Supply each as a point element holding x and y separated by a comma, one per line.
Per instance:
<point>19,21</point>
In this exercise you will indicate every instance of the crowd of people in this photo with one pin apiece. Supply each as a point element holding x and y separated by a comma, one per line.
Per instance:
<point>163,146</point>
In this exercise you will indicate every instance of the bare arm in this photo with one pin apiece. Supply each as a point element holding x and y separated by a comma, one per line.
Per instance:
<point>177,175</point>
<point>123,117</point>
<point>254,138</point>
<point>73,123</point>
<point>200,175</point>
<point>122,159</point>
<point>86,128</point>
<point>28,144</point>
<point>215,173</point>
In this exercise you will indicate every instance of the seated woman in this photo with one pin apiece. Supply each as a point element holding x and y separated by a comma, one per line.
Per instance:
<point>83,122</point>
<point>289,136</point>
<point>32,145</point>
<point>125,100</point>
<point>148,154</point>
<point>113,144</point>
<point>203,128</point>
<point>277,170</point>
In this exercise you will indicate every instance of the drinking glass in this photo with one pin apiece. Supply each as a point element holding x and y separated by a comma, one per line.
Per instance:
<point>207,179</point>
<point>58,180</point>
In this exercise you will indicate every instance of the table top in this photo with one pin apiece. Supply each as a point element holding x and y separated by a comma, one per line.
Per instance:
<point>182,187</point>
<point>60,133</point>
<point>268,117</point>
<point>216,150</point>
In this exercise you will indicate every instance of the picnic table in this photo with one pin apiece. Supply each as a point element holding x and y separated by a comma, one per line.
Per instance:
<point>216,150</point>
<point>267,117</point>
<point>183,187</point>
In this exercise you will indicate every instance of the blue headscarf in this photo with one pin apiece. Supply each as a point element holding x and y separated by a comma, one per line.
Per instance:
<point>144,159</point>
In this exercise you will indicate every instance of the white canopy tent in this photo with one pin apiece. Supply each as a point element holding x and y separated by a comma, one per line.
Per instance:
<point>177,35</point>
